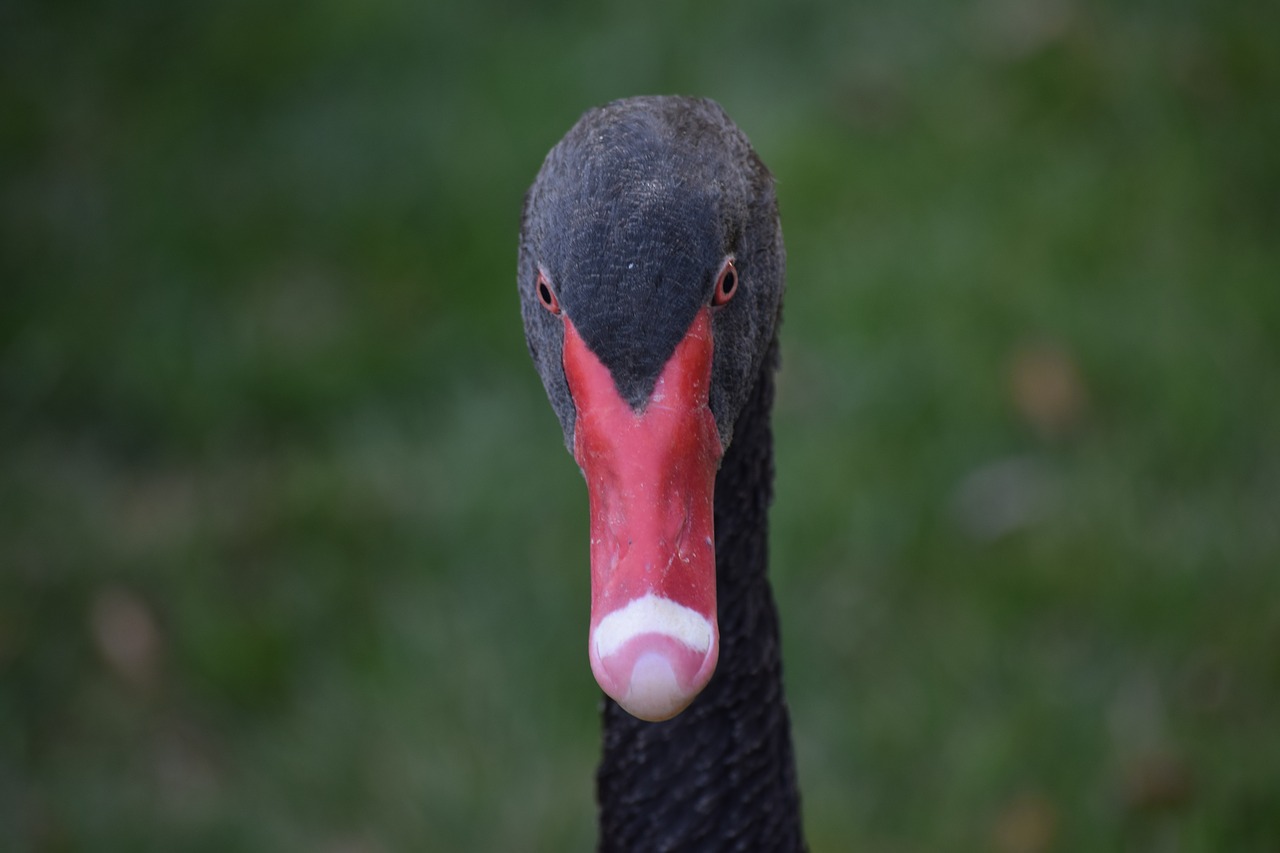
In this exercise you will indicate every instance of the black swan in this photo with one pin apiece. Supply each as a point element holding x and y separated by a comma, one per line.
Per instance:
<point>651,274</point>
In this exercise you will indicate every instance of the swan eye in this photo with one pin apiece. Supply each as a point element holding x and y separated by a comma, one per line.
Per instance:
<point>546,295</point>
<point>726,283</point>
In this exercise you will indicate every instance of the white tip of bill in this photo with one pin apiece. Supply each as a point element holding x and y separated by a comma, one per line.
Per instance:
<point>653,656</point>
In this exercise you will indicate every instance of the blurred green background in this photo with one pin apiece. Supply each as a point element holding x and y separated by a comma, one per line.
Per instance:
<point>292,556</point>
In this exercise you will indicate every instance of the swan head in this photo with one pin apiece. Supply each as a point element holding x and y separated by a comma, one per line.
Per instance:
<point>651,276</point>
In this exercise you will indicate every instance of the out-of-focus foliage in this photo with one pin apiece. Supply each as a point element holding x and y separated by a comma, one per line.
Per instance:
<point>291,556</point>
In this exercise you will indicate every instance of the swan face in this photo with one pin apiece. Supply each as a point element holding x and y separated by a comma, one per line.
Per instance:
<point>650,275</point>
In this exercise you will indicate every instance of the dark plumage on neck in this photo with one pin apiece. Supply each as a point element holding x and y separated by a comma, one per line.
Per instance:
<point>721,775</point>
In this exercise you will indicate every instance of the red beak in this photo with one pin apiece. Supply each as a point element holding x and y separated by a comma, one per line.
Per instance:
<point>651,483</point>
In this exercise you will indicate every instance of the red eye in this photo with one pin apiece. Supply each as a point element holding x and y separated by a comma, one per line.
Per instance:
<point>726,283</point>
<point>546,295</point>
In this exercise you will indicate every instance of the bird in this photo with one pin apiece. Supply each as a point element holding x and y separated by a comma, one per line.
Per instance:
<point>651,272</point>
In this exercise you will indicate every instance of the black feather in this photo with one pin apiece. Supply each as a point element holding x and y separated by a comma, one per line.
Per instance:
<point>630,218</point>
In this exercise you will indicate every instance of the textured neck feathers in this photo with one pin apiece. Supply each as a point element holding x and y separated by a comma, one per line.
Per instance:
<point>721,775</point>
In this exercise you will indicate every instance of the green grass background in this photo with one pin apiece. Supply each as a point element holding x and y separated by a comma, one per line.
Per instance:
<point>292,556</point>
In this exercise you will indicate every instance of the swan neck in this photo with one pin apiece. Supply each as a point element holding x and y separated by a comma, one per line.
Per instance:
<point>729,754</point>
